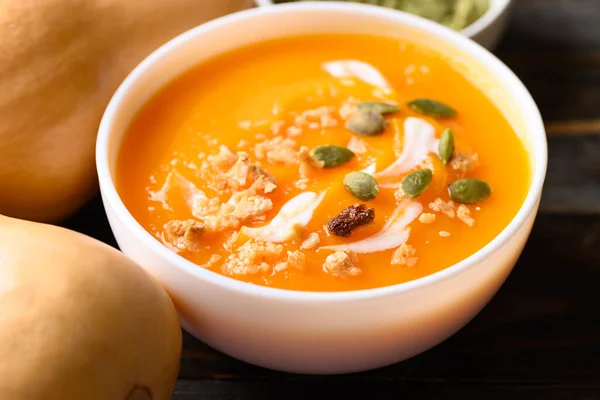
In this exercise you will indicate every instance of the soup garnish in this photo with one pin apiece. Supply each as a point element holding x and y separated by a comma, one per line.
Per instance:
<point>323,163</point>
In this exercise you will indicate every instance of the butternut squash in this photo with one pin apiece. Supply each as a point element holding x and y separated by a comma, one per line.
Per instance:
<point>78,320</point>
<point>60,62</point>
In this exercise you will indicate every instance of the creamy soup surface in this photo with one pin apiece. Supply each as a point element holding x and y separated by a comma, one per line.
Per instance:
<point>323,163</point>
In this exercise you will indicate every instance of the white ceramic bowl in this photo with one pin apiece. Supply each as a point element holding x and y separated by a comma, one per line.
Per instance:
<point>308,332</point>
<point>487,30</point>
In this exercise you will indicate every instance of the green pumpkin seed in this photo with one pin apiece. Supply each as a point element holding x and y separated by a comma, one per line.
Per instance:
<point>361,185</point>
<point>378,107</point>
<point>446,146</point>
<point>469,191</point>
<point>366,123</point>
<point>432,108</point>
<point>331,155</point>
<point>414,184</point>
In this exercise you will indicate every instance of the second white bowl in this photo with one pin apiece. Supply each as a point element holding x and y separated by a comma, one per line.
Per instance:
<point>487,30</point>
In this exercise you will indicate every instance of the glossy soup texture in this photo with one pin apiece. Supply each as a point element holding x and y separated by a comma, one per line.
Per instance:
<point>197,143</point>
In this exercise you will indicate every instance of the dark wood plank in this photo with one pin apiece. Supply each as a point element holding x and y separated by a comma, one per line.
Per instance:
<point>573,127</point>
<point>358,389</point>
<point>541,25</point>
<point>573,179</point>
<point>542,328</point>
<point>554,47</point>
<point>564,85</point>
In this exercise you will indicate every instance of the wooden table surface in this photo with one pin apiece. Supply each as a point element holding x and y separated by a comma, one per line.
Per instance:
<point>539,338</point>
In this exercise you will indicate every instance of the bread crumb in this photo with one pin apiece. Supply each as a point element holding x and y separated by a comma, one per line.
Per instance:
<point>321,117</point>
<point>306,164</point>
<point>342,264</point>
<point>183,235</point>
<point>348,108</point>
<point>357,145</point>
<point>252,257</point>
<point>464,214</point>
<point>245,179</point>
<point>327,121</point>
<point>215,258</point>
<point>248,206</point>
<point>220,222</point>
<point>269,187</point>
<point>278,150</point>
<point>245,125</point>
<point>444,234</point>
<point>427,218</point>
<point>221,174</point>
<point>224,159</point>
<point>311,241</point>
<point>302,183</point>
<point>293,131</point>
<point>303,156</point>
<point>276,127</point>
<point>232,241</point>
<point>300,120</point>
<point>463,162</point>
<point>237,175</point>
<point>405,255</point>
<point>448,208</point>
<point>295,259</point>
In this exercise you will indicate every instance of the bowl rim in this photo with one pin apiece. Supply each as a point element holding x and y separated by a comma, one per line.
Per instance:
<point>474,29</point>
<point>454,39</point>
<point>491,15</point>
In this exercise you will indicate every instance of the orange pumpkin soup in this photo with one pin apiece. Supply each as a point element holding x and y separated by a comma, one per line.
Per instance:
<point>323,163</point>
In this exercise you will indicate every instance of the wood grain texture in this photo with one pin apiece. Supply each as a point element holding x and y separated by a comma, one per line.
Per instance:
<point>539,338</point>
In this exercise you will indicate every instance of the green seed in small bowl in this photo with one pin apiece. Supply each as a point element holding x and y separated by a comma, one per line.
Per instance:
<point>469,191</point>
<point>332,155</point>
<point>414,184</point>
<point>361,185</point>
<point>366,123</point>
<point>378,107</point>
<point>446,146</point>
<point>432,108</point>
